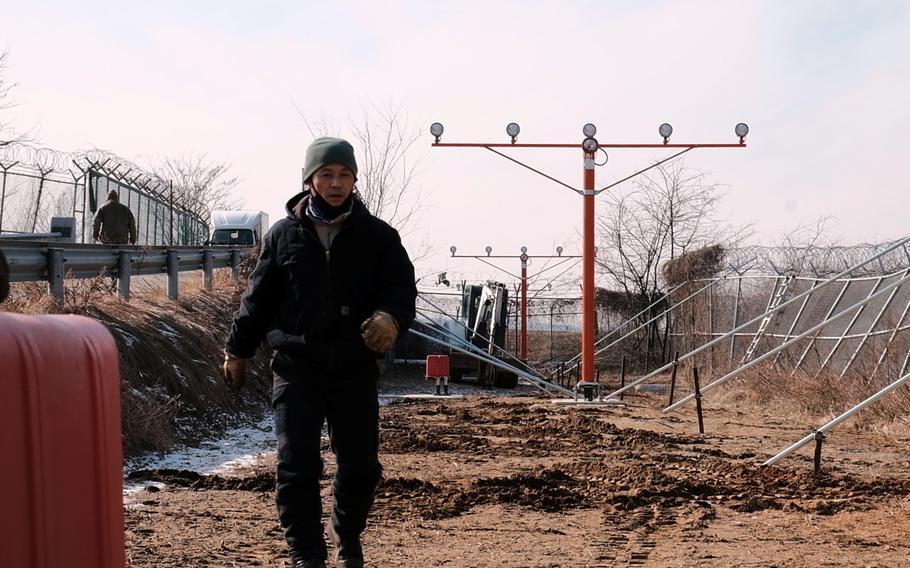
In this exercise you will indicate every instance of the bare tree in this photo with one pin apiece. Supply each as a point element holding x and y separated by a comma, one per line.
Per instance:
<point>667,213</point>
<point>387,168</point>
<point>8,135</point>
<point>200,185</point>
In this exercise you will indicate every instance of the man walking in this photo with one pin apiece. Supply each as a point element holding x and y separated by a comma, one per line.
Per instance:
<point>114,222</point>
<point>332,291</point>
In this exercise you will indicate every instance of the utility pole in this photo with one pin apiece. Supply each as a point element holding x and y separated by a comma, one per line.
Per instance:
<point>589,147</point>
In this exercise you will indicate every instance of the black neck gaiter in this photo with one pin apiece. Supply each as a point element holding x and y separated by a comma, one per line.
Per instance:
<point>323,210</point>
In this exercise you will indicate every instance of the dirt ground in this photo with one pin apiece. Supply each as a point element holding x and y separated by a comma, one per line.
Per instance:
<point>520,481</point>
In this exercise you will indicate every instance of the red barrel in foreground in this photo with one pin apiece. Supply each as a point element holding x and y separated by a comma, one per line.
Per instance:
<point>61,481</point>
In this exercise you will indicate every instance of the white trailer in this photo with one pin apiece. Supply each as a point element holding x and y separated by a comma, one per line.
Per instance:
<point>245,228</point>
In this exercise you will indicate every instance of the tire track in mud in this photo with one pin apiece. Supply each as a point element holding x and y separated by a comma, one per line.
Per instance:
<point>642,482</point>
<point>598,465</point>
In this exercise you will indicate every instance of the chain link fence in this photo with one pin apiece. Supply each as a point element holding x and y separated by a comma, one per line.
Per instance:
<point>46,195</point>
<point>649,332</point>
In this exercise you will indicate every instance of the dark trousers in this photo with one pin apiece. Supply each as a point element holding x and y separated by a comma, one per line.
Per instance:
<point>348,402</point>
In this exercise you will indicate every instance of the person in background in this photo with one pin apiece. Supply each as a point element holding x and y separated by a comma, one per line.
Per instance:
<point>332,291</point>
<point>114,222</point>
<point>4,277</point>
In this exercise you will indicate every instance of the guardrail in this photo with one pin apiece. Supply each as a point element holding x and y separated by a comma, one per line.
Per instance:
<point>54,262</point>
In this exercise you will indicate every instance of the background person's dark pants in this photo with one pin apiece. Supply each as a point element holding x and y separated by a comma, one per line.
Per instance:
<point>348,402</point>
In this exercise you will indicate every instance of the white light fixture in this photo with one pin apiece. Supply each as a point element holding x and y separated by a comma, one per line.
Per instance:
<point>489,249</point>
<point>665,131</point>
<point>741,130</point>
<point>559,251</point>
<point>589,145</point>
<point>524,250</point>
<point>436,130</point>
<point>589,130</point>
<point>452,250</point>
<point>512,129</point>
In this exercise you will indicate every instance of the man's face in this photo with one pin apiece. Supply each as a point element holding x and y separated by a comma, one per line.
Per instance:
<point>334,183</point>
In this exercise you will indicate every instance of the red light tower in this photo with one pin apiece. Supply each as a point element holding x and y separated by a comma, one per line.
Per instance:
<point>589,147</point>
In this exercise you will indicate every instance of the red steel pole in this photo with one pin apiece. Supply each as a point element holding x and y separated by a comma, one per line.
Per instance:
<point>587,285</point>
<point>524,307</point>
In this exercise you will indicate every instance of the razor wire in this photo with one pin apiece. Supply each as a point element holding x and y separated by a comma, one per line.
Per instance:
<point>38,184</point>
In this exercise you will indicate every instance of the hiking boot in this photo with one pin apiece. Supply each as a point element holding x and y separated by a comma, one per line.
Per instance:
<point>348,552</point>
<point>310,563</point>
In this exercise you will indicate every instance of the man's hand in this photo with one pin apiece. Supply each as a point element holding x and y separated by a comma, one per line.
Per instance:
<point>234,371</point>
<point>379,331</point>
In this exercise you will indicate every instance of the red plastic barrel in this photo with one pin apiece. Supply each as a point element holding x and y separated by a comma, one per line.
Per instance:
<point>437,366</point>
<point>61,482</point>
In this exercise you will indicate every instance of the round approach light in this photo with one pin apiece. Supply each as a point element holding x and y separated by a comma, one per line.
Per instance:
<point>589,145</point>
<point>524,250</point>
<point>489,249</point>
<point>559,251</point>
<point>665,131</point>
<point>589,130</point>
<point>452,249</point>
<point>741,130</point>
<point>436,130</point>
<point>512,129</point>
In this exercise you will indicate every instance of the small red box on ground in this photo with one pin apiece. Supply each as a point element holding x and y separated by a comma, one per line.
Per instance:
<point>437,366</point>
<point>61,484</point>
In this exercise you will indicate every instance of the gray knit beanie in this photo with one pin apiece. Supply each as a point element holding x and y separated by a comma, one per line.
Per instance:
<point>327,150</point>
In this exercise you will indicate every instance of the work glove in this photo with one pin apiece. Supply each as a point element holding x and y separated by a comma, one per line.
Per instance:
<point>379,331</point>
<point>234,371</point>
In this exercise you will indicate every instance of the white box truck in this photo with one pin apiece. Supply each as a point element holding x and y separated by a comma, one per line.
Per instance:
<point>243,228</point>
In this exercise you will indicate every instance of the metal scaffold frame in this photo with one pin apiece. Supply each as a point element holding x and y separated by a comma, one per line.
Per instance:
<point>740,328</point>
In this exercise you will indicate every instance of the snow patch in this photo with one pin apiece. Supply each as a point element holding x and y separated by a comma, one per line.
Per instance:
<point>238,449</point>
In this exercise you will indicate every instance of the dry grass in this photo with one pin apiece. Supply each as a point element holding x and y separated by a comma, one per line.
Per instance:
<point>170,356</point>
<point>820,397</point>
<point>809,396</point>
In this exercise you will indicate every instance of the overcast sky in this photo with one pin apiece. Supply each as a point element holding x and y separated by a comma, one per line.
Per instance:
<point>823,85</point>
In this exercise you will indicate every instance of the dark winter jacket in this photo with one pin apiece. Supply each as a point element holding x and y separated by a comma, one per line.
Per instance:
<point>310,302</point>
<point>115,224</point>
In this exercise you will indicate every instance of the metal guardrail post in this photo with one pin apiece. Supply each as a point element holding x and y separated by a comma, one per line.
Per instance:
<point>173,272</point>
<point>55,267</point>
<point>235,263</point>
<point>208,263</point>
<point>124,269</point>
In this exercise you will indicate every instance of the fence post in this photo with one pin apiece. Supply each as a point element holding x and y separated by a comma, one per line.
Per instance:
<point>235,263</point>
<point>38,201</point>
<point>124,271</point>
<point>698,409</point>
<point>622,377</point>
<point>2,197</point>
<point>55,266</point>
<point>171,185</point>
<point>140,226</point>
<point>208,263</point>
<point>172,274</point>
<point>673,376</point>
